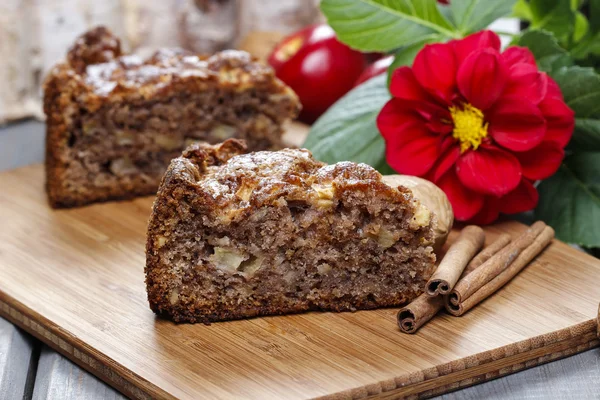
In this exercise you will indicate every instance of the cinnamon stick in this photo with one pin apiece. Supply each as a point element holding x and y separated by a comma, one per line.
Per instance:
<point>462,304</point>
<point>501,242</point>
<point>493,266</point>
<point>455,261</point>
<point>418,312</point>
<point>424,308</point>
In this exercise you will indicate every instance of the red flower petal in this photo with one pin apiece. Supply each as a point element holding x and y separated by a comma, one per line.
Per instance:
<point>482,78</point>
<point>440,126</point>
<point>516,123</point>
<point>410,147</point>
<point>435,69</point>
<point>553,89</point>
<point>516,54</point>
<point>447,142</point>
<point>523,198</point>
<point>560,120</point>
<point>445,162</point>
<point>415,153</point>
<point>465,203</point>
<point>488,213</point>
<point>430,112</point>
<point>489,170</point>
<point>477,41</point>
<point>394,118</point>
<point>397,113</point>
<point>542,161</point>
<point>527,82</point>
<point>404,85</point>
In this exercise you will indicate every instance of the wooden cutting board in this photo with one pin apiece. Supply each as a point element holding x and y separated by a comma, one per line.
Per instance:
<point>74,279</point>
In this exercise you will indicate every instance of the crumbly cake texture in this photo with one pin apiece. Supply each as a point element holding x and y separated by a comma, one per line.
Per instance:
<point>115,121</point>
<point>237,235</point>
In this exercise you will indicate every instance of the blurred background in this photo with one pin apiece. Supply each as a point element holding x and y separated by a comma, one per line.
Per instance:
<point>35,34</point>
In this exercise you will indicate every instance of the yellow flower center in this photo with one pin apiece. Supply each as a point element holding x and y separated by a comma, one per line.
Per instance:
<point>469,126</point>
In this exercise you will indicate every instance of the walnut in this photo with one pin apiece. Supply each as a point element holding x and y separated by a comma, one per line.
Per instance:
<point>262,122</point>
<point>226,259</point>
<point>160,241</point>
<point>324,195</point>
<point>168,142</point>
<point>433,198</point>
<point>421,218</point>
<point>124,137</point>
<point>122,166</point>
<point>386,239</point>
<point>249,267</point>
<point>324,268</point>
<point>174,296</point>
<point>245,190</point>
<point>234,261</point>
<point>222,131</point>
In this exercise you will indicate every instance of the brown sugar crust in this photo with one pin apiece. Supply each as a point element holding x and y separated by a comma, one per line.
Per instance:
<point>115,121</point>
<point>239,235</point>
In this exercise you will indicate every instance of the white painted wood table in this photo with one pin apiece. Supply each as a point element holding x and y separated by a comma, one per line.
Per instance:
<point>30,370</point>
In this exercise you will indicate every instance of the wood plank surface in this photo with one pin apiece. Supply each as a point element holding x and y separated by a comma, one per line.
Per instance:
<point>74,278</point>
<point>59,378</point>
<point>18,357</point>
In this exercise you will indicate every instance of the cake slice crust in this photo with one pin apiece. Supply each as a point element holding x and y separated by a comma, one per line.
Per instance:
<point>240,235</point>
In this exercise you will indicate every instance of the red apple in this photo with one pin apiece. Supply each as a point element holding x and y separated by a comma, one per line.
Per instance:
<point>318,67</point>
<point>378,67</point>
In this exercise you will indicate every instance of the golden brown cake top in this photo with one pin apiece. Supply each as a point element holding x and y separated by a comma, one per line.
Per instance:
<point>100,72</point>
<point>231,181</point>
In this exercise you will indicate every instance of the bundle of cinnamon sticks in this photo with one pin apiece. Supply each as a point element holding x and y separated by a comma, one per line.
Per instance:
<point>468,274</point>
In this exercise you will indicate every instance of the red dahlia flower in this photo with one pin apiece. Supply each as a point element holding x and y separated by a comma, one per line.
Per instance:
<point>481,124</point>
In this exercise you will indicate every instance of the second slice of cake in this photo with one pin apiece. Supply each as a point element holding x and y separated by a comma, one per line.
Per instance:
<point>237,235</point>
<point>115,121</point>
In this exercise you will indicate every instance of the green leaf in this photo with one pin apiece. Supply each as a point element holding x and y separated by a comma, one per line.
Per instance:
<point>384,168</point>
<point>406,55</point>
<point>570,200</point>
<point>473,15</point>
<point>521,10</point>
<point>384,25</point>
<point>581,26</point>
<point>347,131</point>
<point>555,16</point>
<point>575,4</point>
<point>594,15</point>
<point>581,89</point>
<point>586,136</point>
<point>548,53</point>
<point>589,44</point>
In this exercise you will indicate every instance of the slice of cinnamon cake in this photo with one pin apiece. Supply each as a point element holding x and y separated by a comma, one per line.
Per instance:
<point>115,121</point>
<point>237,235</point>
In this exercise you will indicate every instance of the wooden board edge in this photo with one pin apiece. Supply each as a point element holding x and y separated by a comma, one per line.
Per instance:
<point>481,367</point>
<point>67,344</point>
<point>570,349</point>
<point>423,384</point>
